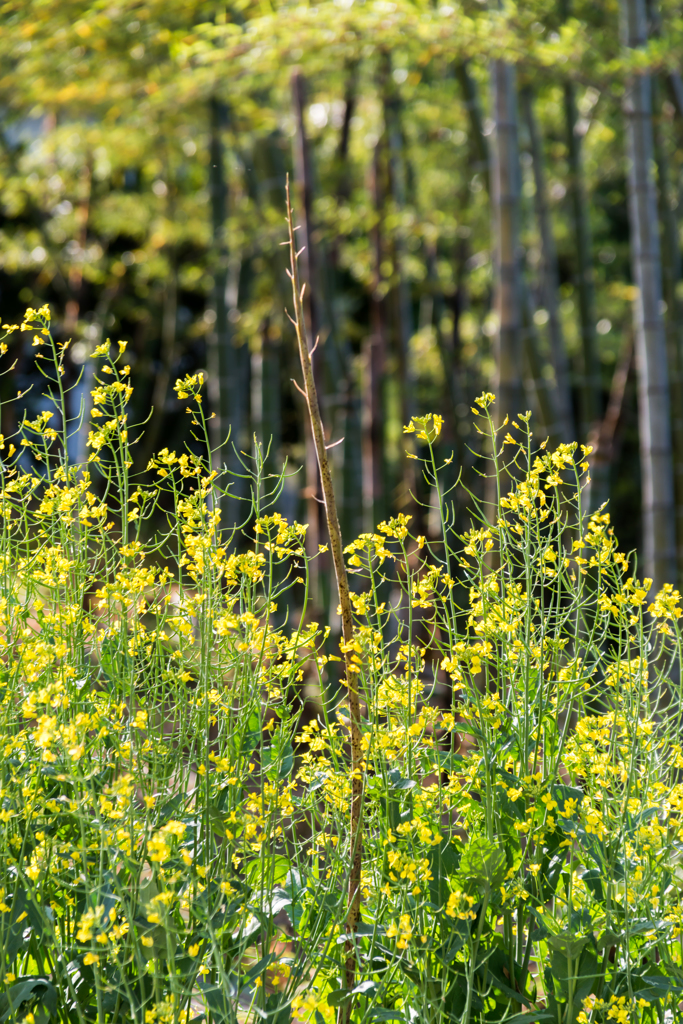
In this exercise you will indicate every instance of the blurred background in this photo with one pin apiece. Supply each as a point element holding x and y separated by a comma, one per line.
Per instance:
<point>489,198</point>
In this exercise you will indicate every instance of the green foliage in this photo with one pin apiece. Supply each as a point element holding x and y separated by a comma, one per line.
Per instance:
<point>175,839</point>
<point>107,193</point>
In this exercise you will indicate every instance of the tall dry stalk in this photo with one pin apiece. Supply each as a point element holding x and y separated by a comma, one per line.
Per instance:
<point>336,547</point>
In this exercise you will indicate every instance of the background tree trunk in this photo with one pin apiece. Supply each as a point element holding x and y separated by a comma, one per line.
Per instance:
<point>400,296</point>
<point>562,423</point>
<point>673,320</point>
<point>590,398</point>
<point>659,541</point>
<point>505,202</point>
<point>232,364</point>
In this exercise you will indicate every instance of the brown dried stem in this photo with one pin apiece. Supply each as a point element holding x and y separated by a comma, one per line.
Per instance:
<point>334,531</point>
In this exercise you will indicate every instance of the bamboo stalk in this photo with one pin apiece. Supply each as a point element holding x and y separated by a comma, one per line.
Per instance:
<point>590,391</point>
<point>351,448</point>
<point>659,541</point>
<point>671,275</point>
<point>561,424</point>
<point>400,297</point>
<point>336,547</point>
<point>374,346</point>
<point>537,384</point>
<point>477,139</point>
<point>230,365</point>
<point>605,453</point>
<point>505,204</point>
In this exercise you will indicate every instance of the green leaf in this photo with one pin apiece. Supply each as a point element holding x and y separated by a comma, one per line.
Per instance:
<point>287,762</point>
<point>653,986</point>
<point>646,925</point>
<point>366,988</point>
<point>318,781</point>
<point>593,879</point>
<point>278,760</point>
<point>29,988</point>
<point>483,863</point>
<point>218,1001</point>
<point>569,946</point>
<point>444,861</point>
<point>563,793</point>
<point>13,937</point>
<point>278,1009</point>
<point>319,912</point>
<point>216,822</point>
<point>530,1018</point>
<point>496,965</point>
<point>266,871</point>
<point>339,997</point>
<point>257,969</point>
<point>608,938</point>
<point>398,782</point>
<point>277,901</point>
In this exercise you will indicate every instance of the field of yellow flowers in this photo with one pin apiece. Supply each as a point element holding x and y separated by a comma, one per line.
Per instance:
<point>175,843</point>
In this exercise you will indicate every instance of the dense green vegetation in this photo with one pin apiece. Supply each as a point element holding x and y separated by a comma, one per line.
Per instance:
<point>420,761</point>
<point>176,842</point>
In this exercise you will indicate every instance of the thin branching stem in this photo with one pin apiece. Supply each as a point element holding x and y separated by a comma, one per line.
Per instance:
<point>336,546</point>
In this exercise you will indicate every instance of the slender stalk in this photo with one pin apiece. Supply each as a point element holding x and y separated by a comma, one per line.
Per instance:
<point>671,275</point>
<point>229,388</point>
<point>537,384</point>
<point>167,355</point>
<point>659,540</point>
<point>562,425</point>
<point>304,186</point>
<point>336,547</point>
<point>219,388</point>
<point>590,392</point>
<point>372,415</point>
<point>350,449</point>
<point>605,453</point>
<point>477,139</point>
<point>505,202</point>
<point>398,188</point>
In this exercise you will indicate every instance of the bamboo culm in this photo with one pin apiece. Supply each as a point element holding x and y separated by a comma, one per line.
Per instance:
<point>562,425</point>
<point>659,541</point>
<point>505,201</point>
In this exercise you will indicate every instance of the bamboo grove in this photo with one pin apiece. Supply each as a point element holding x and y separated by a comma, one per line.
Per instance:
<point>488,198</point>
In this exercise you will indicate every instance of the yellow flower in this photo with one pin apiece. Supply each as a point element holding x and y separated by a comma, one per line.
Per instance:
<point>460,905</point>
<point>91,958</point>
<point>428,427</point>
<point>310,1005</point>
<point>174,828</point>
<point>484,401</point>
<point>402,932</point>
<point>667,604</point>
